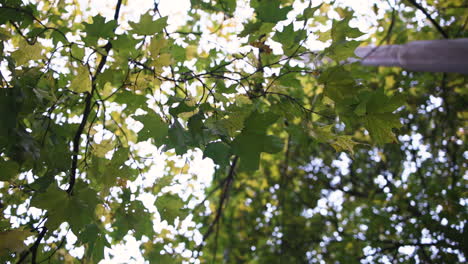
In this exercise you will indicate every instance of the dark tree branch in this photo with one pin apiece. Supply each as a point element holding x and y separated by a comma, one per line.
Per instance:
<point>87,110</point>
<point>224,196</point>
<point>428,16</point>
<point>33,248</point>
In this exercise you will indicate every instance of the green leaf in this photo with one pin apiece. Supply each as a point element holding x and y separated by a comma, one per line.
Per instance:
<point>77,210</point>
<point>196,127</point>
<point>344,143</point>
<point>26,52</point>
<point>309,12</point>
<point>154,256</point>
<point>82,80</point>
<point>259,122</point>
<point>82,205</point>
<point>170,206</point>
<point>324,134</point>
<point>219,152</point>
<point>248,147</point>
<point>7,14</point>
<point>182,107</point>
<point>98,248</point>
<point>272,144</point>
<point>378,102</point>
<point>146,25</point>
<point>133,216</point>
<point>125,45</point>
<point>270,11</point>
<point>8,170</point>
<point>341,30</point>
<point>289,38</point>
<point>253,140</point>
<point>120,156</point>
<point>89,234</point>
<point>178,138</point>
<point>233,123</point>
<point>225,6</point>
<point>380,127</point>
<point>157,43</point>
<point>55,201</point>
<point>12,241</point>
<point>341,47</point>
<point>102,148</point>
<point>58,37</point>
<point>100,28</point>
<point>154,127</point>
<point>77,51</point>
<point>342,50</point>
<point>93,236</point>
<point>132,100</point>
<point>339,84</point>
<point>4,34</point>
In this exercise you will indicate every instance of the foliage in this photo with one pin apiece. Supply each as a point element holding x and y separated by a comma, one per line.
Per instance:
<point>320,161</point>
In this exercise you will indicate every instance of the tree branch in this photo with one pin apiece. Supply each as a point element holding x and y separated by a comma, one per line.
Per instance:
<point>87,110</point>
<point>428,16</point>
<point>33,248</point>
<point>222,200</point>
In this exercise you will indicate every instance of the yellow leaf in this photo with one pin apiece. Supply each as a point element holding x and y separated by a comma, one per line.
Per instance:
<point>107,90</point>
<point>190,101</point>
<point>27,52</point>
<point>156,45</point>
<point>324,36</point>
<point>105,146</point>
<point>344,143</point>
<point>187,115</point>
<point>242,100</point>
<point>82,81</point>
<point>323,134</point>
<point>191,52</point>
<point>4,34</point>
<point>389,81</point>
<point>143,81</point>
<point>12,241</point>
<point>164,59</point>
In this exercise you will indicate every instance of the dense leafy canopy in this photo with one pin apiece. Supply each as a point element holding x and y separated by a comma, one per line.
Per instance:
<point>316,159</point>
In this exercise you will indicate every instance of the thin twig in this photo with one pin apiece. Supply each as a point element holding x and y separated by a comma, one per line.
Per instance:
<point>428,16</point>
<point>222,200</point>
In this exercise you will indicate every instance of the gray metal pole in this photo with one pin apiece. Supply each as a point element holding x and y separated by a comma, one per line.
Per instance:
<point>448,55</point>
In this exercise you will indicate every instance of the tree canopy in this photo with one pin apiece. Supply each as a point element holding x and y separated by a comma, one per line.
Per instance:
<point>317,159</point>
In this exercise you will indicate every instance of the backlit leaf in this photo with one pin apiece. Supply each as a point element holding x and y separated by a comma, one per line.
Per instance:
<point>81,82</point>
<point>170,206</point>
<point>148,26</point>
<point>27,52</point>
<point>380,127</point>
<point>154,127</point>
